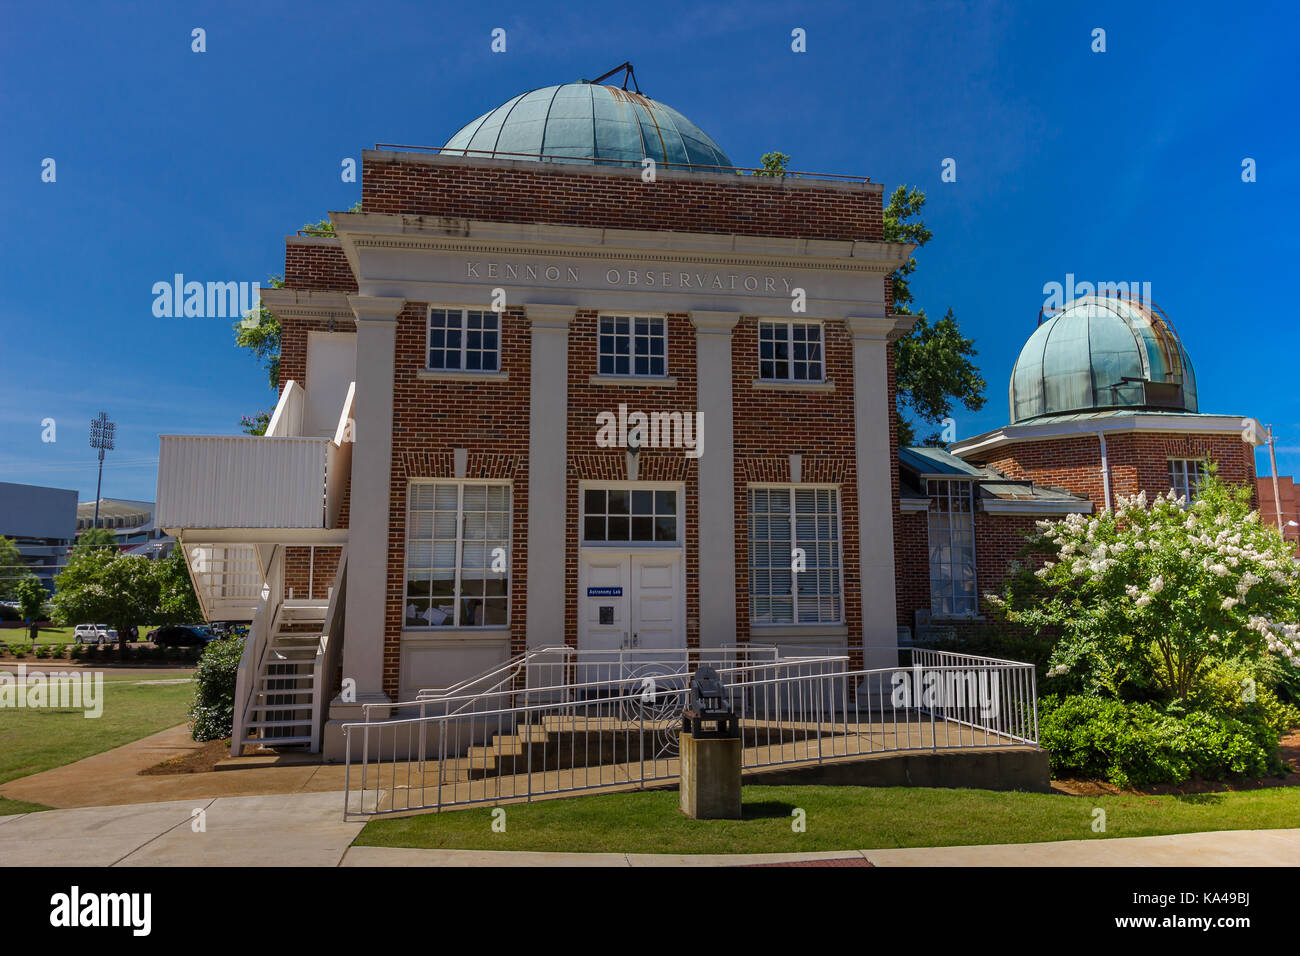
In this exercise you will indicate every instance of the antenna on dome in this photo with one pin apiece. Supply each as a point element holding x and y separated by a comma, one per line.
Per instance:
<point>630,74</point>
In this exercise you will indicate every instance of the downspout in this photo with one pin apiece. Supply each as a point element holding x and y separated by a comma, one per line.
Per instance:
<point>1105,470</point>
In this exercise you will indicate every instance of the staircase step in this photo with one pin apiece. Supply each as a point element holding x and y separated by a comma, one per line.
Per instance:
<point>286,691</point>
<point>275,741</point>
<point>278,723</point>
<point>281,708</point>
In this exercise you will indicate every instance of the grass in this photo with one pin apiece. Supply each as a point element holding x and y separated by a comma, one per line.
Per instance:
<point>50,635</point>
<point>838,818</point>
<point>134,706</point>
<point>10,807</point>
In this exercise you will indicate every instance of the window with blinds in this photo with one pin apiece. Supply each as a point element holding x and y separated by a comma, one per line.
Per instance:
<point>788,586</point>
<point>457,554</point>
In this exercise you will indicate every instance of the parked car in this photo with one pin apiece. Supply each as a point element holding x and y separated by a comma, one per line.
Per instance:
<point>94,634</point>
<point>181,635</point>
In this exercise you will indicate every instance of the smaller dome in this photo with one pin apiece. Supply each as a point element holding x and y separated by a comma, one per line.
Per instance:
<point>1103,352</point>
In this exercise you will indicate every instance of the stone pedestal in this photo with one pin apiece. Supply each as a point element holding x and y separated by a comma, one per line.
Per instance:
<point>710,787</point>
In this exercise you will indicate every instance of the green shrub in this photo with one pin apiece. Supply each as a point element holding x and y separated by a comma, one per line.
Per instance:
<point>1141,744</point>
<point>77,652</point>
<point>212,715</point>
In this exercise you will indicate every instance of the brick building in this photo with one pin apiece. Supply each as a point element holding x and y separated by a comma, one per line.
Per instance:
<point>1289,494</point>
<point>557,395</point>
<point>1103,403</point>
<point>540,391</point>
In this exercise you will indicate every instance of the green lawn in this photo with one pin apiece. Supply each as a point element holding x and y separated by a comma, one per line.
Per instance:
<point>50,635</point>
<point>32,740</point>
<point>8,807</point>
<point>838,818</point>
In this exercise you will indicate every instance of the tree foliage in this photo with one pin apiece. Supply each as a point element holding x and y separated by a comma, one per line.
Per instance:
<point>1157,595</point>
<point>11,569</point>
<point>774,164</point>
<point>933,365</point>
<point>177,602</point>
<point>31,596</point>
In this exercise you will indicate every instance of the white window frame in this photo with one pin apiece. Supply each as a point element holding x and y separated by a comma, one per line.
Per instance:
<point>952,578</point>
<point>789,326</point>
<point>838,571</point>
<point>464,339</point>
<point>631,335</point>
<point>457,596</point>
<point>1189,472</point>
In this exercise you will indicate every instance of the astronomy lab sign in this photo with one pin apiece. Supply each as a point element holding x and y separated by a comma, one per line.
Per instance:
<point>621,278</point>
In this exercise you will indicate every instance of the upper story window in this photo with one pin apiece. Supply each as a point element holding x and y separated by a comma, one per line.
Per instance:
<point>464,340</point>
<point>632,345</point>
<point>790,351</point>
<point>952,547</point>
<point>1184,475</point>
<point>457,547</point>
<point>794,556</point>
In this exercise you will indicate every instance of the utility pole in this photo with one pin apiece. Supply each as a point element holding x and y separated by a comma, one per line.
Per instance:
<point>101,437</point>
<point>1272,461</point>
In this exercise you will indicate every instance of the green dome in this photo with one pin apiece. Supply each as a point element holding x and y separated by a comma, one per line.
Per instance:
<point>587,121</point>
<point>1102,352</point>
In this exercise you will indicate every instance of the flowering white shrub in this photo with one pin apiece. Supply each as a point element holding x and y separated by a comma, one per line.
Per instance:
<point>1157,592</point>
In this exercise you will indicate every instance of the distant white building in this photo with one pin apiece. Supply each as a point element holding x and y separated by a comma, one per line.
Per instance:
<point>132,525</point>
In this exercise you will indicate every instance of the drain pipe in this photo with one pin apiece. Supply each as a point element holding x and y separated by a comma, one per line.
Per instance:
<point>1105,470</point>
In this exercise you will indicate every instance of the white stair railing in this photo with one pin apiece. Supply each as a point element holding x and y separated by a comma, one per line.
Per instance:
<point>255,648</point>
<point>329,651</point>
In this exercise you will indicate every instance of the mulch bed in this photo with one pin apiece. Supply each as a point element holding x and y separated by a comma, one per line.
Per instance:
<point>201,759</point>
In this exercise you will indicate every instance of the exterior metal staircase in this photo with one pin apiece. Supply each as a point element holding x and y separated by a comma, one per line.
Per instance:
<point>280,712</point>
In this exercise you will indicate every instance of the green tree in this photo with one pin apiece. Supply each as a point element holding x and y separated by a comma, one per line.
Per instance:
<point>933,365</point>
<point>177,602</point>
<point>31,596</point>
<point>774,164</point>
<point>12,569</point>
<point>94,538</point>
<point>99,585</point>
<point>1158,595</point>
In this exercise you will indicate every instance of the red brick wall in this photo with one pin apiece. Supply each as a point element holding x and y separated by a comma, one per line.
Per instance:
<point>589,462</point>
<point>306,577</point>
<point>317,263</point>
<point>431,418</point>
<point>1138,461</point>
<point>770,425</point>
<point>502,193</point>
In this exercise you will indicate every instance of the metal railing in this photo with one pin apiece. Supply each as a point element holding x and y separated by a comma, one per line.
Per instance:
<point>625,163</point>
<point>620,728</point>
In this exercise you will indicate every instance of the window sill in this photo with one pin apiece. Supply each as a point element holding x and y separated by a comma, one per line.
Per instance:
<point>442,375</point>
<point>957,619</point>
<point>798,630</point>
<point>795,386</point>
<point>651,381</point>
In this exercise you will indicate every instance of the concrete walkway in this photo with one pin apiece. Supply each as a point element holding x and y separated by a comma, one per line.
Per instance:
<point>113,778</point>
<point>306,829</point>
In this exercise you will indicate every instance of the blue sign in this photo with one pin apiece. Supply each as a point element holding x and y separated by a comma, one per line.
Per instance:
<point>604,592</point>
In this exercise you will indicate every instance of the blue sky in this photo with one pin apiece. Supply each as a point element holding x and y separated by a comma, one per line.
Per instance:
<point>1123,165</point>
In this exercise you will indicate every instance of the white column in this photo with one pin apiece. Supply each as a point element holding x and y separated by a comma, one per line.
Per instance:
<point>372,459</point>
<point>548,414</point>
<point>716,504</point>
<point>872,418</point>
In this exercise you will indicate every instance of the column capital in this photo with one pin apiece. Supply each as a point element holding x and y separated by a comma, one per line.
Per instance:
<point>375,310</point>
<point>871,328</point>
<point>714,323</point>
<point>547,317</point>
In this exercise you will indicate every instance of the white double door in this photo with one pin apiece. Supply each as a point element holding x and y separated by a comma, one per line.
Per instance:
<point>631,601</point>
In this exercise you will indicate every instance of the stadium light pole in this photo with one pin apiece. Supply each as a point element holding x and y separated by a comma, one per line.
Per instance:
<point>101,438</point>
